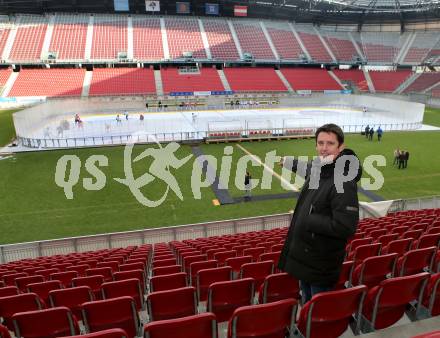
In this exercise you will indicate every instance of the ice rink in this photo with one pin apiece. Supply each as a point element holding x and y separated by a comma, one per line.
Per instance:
<point>187,124</point>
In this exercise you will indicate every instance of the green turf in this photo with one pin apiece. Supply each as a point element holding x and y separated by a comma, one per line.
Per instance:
<point>432,117</point>
<point>7,131</point>
<point>33,207</point>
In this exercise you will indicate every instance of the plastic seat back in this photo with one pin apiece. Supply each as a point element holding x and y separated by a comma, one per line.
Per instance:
<point>344,275</point>
<point>197,266</point>
<point>106,272</point>
<point>277,287</point>
<point>79,268</point>
<point>415,261</point>
<point>236,262</point>
<point>129,274</point>
<point>64,277</point>
<point>206,277</point>
<point>94,282</point>
<point>168,282</point>
<point>374,269</point>
<point>48,323</point>
<point>18,303</point>
<point>72,298</point>
<point>385,304</point>
<point>258,271</point>
<point>42,289</point>
<point>9,291</point>
<point>23,282</point>
<point>272,320</point>
<point>431,299</point>
<point>112,313</point>
<point>127,287</point>
<point>254,252</point>
<point>172,304</point>
<point>203,325</point>
<point>166,270</point>
<point>399,246</point>
<point>9,279</point>
<point>321,318</point>
<point>225,297</point>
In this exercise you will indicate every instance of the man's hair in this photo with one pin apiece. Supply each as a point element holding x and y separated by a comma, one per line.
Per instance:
<point>331,128</point>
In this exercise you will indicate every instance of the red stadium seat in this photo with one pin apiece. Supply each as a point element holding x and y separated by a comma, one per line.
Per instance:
<point>166,270</point>
<point>415,261</point>
<point>9,291</point>
<point>385,304</point>
<point>112,313</point>
<point>344,275</point>
<point>42,289</point>
<point>258,271</point>
<point>321,318</point>
<point>48,323</point>
<point>168,282</point>
<point>431,299</point>
<point>274,320</point>
<point>197,326</point>
<point>277,287</point>
<point>126,287</point>
<point>64,277</point>
<point>206,277</point>
<point>106,272</point>
<point>23,282</point>
<point>373,270</point>
<point>72,298</point>
<point>18,303</point>
<point>197,266</point>
<point>94,282</point>
<point>399,246</point>
<point>129,274</point>
<point>225,297</point>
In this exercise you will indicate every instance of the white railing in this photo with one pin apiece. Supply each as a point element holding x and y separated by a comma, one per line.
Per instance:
<point>13,252</point>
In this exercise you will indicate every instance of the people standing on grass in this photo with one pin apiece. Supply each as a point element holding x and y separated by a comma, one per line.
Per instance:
<point>401,159</point>
<point>405,158</point>
<point>396,156</point>
<point>247,186</point>
<point>367,131</point>
<point>379,133</point>
<point>371,133</point>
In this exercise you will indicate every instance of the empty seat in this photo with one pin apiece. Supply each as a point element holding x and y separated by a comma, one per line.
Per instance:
<point>415,261</point>
<point>374,269</point>
<point>64,277</point>
<point>385,304</point>
<point>258,271</point>
<point>114,265</point>
<point>127,287</point>
<point>168,282</point>
<point>197,266</point>
<point>254,252</point>
<point>110,333</point>
<point>274,320</point>
<point>321,318</point>
<point>42,289</point>
<point>129,274</point>
<point>9,291</point>
<point>399,246</point>
<point>46,272</point>
<point>9,279</point>
<point>18,303</point>
<point>106,272</point>
<point>23,282</point>
<point>187,260</point>
<point>72,298</point>
<point>79,268</point>
<point>277,287</point>
<point>112,313</point>
<point>171,304</point>
<point>225,297</point>
<point>164,262</point>
<point>166,270</point>
<point>94,282</point>
<point>206,277</point>
<point>48,323</point>
<point>203,325</point>
<point>236,262</point>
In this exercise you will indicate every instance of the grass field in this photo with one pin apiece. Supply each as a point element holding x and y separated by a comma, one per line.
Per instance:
<point>7,131</point>
<point>33,207</point>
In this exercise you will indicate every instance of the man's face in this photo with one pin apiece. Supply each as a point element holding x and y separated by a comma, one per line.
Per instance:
<point>328,147</point>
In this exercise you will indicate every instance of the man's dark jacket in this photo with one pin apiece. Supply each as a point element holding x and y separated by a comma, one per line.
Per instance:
<point>323,221</point>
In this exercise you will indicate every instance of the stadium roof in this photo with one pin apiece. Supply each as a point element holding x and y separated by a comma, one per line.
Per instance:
<point>387,5</point>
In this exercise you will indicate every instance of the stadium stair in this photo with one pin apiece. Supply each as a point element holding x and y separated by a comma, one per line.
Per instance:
<point>158,82</point>
<point>47,38</point>
<point>303,47</point>
<point>356,46</point>
<point>269,40</point>
<point>369,81</point>
<point>326,46</point>
<point>10,42</point>
<point>405,84</point>
<point>223,79</point>
<point>89,38</point>
<point>284,80</point>
<point>130,39</point>
<point>86,84</point>
<point>405,48</point>
<point>235,38</point>
<point>163,31</point>
<point>9,84</point>
<point>204,39</point>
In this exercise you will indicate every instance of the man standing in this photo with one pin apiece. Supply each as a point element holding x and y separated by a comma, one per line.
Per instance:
<point>247,186</point>
<point>326,214</point>
<point>379,133</point>
<point>405,158</point>
<point>367,131</point>
<point>402,159</point>
<point>371,134</point>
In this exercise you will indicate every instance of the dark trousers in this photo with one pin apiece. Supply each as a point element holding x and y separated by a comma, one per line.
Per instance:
<point>401,164</point>
<point>405,163</point>
<point>309,290</point>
